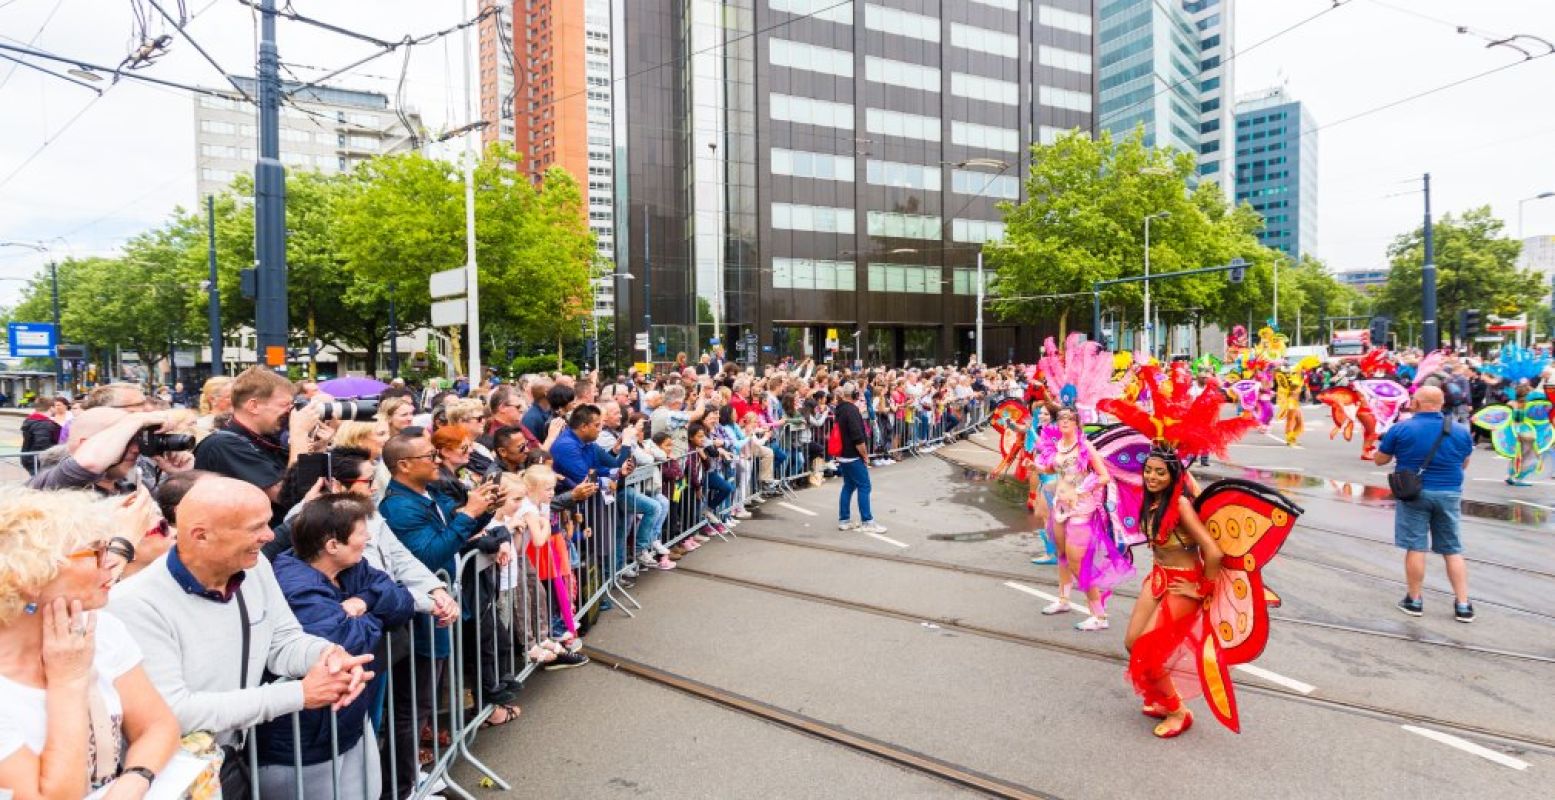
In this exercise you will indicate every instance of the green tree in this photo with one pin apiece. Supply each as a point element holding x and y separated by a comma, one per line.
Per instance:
<point>1476,267</point>
<point>1083,222</point>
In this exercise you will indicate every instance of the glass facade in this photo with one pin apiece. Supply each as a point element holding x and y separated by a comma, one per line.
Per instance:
<point>1276,170</point>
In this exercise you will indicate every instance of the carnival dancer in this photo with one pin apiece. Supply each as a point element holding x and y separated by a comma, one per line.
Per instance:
<point>1087,554</point>
<point>1519,431</point>
<point>1042,486</point>
<point>1288,383</point>
<point>1204,608</point>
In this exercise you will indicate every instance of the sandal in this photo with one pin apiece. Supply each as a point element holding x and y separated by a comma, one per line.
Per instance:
<point>444,737</point>
<point>1154,711</point>
<point>509,713</point>
<point>1162,731</point>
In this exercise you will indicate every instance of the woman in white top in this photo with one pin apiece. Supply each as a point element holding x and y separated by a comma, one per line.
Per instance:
<point>80,713</point>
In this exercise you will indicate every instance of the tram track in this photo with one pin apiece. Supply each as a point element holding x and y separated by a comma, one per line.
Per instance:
<point>911,760</point>
<point>1506,739</point>
<point>1002,575</point>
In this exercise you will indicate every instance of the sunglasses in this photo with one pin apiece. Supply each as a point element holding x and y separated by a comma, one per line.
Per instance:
<point>99,551</point>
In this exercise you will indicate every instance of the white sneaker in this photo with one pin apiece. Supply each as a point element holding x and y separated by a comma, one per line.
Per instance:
<point>847,525</point>
<point>647,559</point>
<point>1057,607</point>
<point>658,547</point>
<point>1092,623</point>
<point>871,527</point>
<point>739,512</point>
<point>630,573</point>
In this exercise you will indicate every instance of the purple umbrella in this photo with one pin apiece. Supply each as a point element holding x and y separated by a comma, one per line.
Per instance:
<point>352,386</point>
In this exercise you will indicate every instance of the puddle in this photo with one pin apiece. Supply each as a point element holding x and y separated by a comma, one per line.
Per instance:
<point>1380,497</point>
<point>979,536</point>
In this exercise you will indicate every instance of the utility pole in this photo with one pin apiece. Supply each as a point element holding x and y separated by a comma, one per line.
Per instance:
<point>647,288</point>
<point>270,322</point>
<point>394,343</point>
<point>979,307</point>
<point>218,365</point>
<point>1428,332</point>
<point>471,276</point>
<point>59,363</point>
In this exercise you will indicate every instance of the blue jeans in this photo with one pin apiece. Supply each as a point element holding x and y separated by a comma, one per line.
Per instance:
<point>654,513</point>
<point>1435,512</point>
<point>855,478</point>
<point>717,491</point>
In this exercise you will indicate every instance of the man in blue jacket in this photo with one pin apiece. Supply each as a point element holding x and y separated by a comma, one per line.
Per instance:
<point>434,527</point>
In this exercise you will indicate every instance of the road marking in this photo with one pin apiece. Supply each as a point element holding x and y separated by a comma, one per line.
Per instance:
<point>1275,677</point>
<point>1020,587</point>
<point>886,539</point>
<point>791,507</point>
<point>1535,505</point>
<point>1468,747</point>
<point>1279,439</point>
<point>1279,469</point>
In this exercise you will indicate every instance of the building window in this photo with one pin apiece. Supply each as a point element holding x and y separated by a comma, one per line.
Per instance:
<point>904,226</point>
<point>821,219</point>
<point>1209,85</point>
<point>988,137</point>
<point>976,87</point>
<point>901,23</point>
<point>965,181</point>
<point>821,166</point>
<point>1209,105</point>
<point>828,10</point>
<point>1210,147</point>
<point>808,111</point>
<point>809,273</point>
<point>1209,127</point>
<point>222,128</point>
<point>1209,63</point>
<point>1064,98</point>
<point>798,55</point>
<point>896,123</point>
<point>901,73</point>
<point>1210,43</point>
<point>1007,5</point>
<point>1064,20</point>
<point>984,40</point>
<point>976,230</point>
<point>903,176</point>
<point>904,278</point>
<point>1059,58</point>
<point>964,281</point>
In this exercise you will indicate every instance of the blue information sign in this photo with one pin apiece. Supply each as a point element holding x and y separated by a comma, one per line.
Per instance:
<point>32,339</point>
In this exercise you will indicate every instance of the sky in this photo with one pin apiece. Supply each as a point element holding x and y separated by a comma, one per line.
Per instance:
<point>82,174</point>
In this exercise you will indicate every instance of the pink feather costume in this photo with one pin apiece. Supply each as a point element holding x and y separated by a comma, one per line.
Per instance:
<point>1078,503</point>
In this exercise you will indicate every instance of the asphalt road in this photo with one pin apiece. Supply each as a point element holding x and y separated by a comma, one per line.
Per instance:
<point>929,639</point>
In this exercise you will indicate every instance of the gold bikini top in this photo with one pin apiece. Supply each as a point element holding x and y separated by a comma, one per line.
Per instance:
<point>1176,541</point>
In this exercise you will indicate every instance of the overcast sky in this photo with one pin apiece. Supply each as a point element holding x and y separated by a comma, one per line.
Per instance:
<point>128,158</point>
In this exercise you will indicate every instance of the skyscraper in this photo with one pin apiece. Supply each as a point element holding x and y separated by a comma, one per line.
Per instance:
<point>1276,169</point>
<point>1162,66</point>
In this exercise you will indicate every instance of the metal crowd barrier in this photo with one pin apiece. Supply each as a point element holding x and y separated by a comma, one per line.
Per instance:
<point>508,611</point>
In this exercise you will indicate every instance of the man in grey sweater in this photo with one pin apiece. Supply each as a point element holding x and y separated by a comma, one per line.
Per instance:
<point>181,611</point>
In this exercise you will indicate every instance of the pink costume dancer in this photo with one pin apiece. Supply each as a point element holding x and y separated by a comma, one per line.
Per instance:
<point>1087,553</point>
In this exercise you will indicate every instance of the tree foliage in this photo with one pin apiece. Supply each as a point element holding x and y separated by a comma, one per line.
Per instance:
<point>1476,268</point>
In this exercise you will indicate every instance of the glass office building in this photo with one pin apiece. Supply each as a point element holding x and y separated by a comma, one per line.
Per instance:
<point>1276,169</point>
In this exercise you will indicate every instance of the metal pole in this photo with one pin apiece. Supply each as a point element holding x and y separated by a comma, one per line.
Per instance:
<point>1275,320</point>
<point>394,343</point>
<point>1432,340</point>
<point>1149,329</point>
<point>979,307</point>
<point>218,365</point>
<point>1096,312</point>
<point>471,276</point>
<point>270,320</point>
<point>647,288</point>
<point>59,363</point>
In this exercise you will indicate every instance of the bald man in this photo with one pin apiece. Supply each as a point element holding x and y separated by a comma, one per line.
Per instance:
<point>1432,518</point>
<point>103,451</point>
<point>197,610</point>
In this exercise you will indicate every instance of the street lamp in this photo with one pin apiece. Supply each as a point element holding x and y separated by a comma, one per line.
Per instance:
<point>999,167</point>
<point>1150,326</point>
<point>1525,201</point>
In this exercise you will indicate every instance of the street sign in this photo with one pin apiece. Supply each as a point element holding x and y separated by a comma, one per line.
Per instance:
<point>32,339</point>
<point>68,351</point>
<point>641,342</point>
<point>185,359</point>
<point>448,283</point>
<point>448,312</point>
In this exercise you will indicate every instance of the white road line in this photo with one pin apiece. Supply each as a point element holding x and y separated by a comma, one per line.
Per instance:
<point>1535,505</point>
<point>1275,677</point>
<point>886,539</point>
<point>1468,747</point>
<point>1278,469</point>
<point>791,507</point>
<point>1279,439</point>
<point>1020,587</point>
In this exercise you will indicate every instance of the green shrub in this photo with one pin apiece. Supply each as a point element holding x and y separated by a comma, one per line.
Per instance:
<point>540,365</point>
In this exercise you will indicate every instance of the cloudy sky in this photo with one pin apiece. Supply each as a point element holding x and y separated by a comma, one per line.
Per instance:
<point>84,173</point>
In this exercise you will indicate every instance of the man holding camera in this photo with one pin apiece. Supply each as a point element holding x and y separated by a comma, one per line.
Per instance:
<point>249,447</point>
<point>105,447</point>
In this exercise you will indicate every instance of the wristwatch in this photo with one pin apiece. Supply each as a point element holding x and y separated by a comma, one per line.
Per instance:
<point>144,772</point>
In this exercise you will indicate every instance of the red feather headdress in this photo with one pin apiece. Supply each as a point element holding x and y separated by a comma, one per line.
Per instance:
<point>1175,421</point>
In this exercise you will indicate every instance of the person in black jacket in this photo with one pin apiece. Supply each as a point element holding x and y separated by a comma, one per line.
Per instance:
<point>853,462</point>
<point>40,431</point>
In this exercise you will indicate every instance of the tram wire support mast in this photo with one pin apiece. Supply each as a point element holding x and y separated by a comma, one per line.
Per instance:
<point>270,315</point>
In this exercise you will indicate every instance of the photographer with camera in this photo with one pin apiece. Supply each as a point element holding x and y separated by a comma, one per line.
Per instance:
<point>249,447</point>
<point>105,447</point>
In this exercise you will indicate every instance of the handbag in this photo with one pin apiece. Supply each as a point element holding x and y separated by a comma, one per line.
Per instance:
<point>236,778</point>
<point>1406,485</point>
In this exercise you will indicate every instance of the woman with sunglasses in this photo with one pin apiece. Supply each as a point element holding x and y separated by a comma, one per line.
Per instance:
<point>80,712</point>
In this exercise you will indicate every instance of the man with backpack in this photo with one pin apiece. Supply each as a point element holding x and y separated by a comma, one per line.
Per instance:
<point>852,462</point>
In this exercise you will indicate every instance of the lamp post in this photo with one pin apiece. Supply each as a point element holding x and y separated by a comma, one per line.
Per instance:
<point>1150,326</point>
<point>1525,201</point>
<point>999,166</point>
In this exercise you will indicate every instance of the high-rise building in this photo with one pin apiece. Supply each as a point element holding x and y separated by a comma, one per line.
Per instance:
<point>1162,66</point>
<point>1276,169</point>
<point>561,82</point>
<point>823,188</point>
<point>322,128</point>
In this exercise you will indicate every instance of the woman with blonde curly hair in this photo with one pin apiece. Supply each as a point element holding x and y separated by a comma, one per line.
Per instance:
<point>215,405</point>
<point>81,713</point>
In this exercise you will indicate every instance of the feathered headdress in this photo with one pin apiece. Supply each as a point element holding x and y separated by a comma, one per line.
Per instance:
<point>1376,363</point>
<point>1081,375</point>
<point>1518,364</point>
<point>1177,422</point>
<point>1431,363</point>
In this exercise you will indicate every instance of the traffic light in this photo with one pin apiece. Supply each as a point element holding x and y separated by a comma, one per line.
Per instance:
<point>1471,322</point>
<point>1238,270</point>
<point>1379,330</point>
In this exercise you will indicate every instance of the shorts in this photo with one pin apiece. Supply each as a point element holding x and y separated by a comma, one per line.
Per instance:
<point>1435,512</point>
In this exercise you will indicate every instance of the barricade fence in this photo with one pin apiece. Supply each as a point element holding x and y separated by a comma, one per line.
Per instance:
<point>436,687</point>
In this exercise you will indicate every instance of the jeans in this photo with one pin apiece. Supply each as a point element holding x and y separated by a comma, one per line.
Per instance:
<point>717,491</point>
<point>855,478</point>
<point>654,508</point>
<point>1434,512</point>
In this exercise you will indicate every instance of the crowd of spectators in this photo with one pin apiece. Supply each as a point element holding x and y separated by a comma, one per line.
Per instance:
<point>173,570</point>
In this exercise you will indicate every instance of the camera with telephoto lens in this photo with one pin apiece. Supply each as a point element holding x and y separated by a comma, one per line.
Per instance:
<point>347,410</point>
<point>153,443</point>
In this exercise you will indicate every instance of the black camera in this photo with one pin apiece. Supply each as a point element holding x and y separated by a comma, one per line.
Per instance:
<point>348,410</point>
<point>152,443</point>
